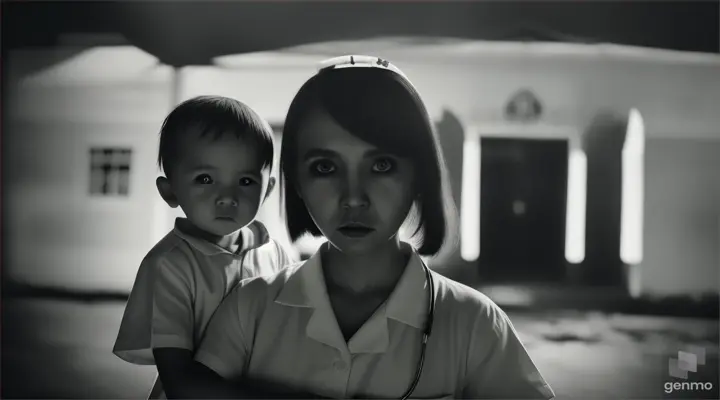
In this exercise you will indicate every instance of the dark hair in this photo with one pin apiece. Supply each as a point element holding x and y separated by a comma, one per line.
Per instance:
<point>215,116</point>
<point>382,108</point>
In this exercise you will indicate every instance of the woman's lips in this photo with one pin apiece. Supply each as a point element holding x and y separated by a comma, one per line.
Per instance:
<point>355,230</point>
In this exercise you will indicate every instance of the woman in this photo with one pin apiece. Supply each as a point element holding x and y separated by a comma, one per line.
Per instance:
<point>364,317</point>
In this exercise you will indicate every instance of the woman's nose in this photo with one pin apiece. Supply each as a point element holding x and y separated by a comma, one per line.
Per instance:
<point>355,202</point>
<point>355,194</point>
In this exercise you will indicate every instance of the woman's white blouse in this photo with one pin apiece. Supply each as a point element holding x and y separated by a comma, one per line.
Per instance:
<point>282,328</point>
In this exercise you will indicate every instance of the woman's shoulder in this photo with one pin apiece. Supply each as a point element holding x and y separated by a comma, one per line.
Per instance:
<point>264,288</point>
<point>274,281</point>
<point>468,302</point>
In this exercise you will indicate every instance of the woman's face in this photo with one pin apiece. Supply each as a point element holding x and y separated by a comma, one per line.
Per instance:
<point>357,195</point>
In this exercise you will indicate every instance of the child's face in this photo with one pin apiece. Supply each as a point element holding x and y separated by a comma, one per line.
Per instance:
<point>345,181</point>
<point>218,183</point>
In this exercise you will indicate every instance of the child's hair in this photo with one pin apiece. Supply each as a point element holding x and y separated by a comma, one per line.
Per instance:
<point>382,108</point>
<point>214,116</point>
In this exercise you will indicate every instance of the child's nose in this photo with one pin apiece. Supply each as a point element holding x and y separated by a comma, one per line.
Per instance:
<point>226,201</point>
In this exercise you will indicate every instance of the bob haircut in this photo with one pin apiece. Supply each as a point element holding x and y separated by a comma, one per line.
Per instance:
<point>213,116</point>
<point>382,108</point>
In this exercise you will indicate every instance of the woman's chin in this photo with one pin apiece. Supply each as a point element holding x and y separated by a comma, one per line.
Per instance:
<point>359,246</point>
<point>355,246</point>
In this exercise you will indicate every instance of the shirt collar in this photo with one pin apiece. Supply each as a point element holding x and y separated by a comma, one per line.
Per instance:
<point>407,304</point>
<point>253,236</point>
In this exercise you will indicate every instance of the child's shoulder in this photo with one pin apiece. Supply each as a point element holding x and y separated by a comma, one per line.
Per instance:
<point>276,254</point>
<point>170,250</point>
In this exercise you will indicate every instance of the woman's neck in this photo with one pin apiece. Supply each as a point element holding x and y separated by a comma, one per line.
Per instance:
<point>371,272</point>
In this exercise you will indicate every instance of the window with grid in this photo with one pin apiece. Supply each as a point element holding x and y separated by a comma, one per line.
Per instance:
<point>110,171</point>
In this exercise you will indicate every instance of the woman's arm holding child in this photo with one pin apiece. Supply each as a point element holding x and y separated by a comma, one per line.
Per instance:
<point>220,360</point>
<point>184,378</point>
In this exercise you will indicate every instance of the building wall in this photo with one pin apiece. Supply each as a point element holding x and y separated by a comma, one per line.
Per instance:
<point>675,98</point>
<point>56,233</point>
<point>682,205</point>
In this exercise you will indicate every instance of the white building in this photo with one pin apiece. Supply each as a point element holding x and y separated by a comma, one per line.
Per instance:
<point>665,223</point>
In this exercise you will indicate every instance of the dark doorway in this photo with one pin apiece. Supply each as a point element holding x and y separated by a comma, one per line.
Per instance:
<point>523,203</point>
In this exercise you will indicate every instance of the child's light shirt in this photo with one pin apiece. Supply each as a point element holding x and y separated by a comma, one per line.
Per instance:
<point>282,328</point>
<point>180,284</point>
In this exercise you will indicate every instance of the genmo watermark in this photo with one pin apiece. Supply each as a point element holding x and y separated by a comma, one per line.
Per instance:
<point>687,361</point>
<point>687,386</point>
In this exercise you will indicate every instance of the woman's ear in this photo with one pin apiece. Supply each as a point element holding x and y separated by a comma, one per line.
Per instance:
<point>166,192</point>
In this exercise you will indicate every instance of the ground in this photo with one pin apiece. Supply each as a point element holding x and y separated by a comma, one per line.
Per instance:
<point>62,349</point>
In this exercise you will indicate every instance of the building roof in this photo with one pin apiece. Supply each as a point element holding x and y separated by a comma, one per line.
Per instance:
<point>194,33</point>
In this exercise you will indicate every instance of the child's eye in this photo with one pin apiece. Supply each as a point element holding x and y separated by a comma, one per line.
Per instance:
<point>322,167</point>
<point>246,181</point>
<point>383,165</point>
<point>204,179</point>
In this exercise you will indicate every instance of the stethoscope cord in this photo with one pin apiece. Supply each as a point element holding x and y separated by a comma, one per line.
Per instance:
<point>426,333</point>
<point>419,369</point>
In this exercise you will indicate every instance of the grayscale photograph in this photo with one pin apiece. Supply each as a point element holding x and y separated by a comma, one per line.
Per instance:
<point>360,199</point>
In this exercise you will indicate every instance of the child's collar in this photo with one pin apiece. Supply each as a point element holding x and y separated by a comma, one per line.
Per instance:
<point>253,236</point>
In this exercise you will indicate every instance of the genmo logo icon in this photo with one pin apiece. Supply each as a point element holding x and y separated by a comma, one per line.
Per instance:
<point>686,362</point>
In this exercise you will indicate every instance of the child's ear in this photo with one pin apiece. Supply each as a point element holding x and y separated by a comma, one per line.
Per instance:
<point>166,192</point>
<point>270,187</point>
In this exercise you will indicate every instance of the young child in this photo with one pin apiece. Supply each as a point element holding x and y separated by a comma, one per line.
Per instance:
<point>217,156</point>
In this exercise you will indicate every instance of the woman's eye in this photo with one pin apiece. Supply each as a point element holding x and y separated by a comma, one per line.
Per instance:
<point>323,167</point>
<point>383,165</point>
<point>204,179</point>
<point>246,181</point>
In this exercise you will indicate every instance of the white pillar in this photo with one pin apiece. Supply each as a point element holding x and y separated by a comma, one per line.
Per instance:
<point>470,196</point>
<point>632,209</point>
<point>576,202</point>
